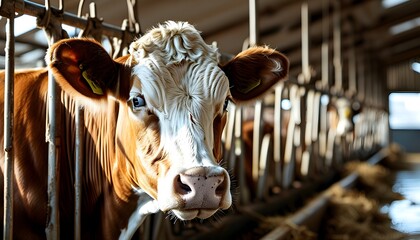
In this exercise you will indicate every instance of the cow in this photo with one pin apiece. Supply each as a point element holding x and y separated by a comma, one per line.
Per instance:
<point>341,113</point>
<point>153,122</point>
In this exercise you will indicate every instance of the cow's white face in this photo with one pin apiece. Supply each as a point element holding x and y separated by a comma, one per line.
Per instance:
<point>187,96</point>
<point>172,110</point>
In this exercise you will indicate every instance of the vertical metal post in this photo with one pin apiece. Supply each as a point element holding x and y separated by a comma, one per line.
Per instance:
<point>277,134</point>
<point>323,128</point>
<point>53,225</point>
<point>54,32</point>
<point>337,48</point>
<point>306,157</point>
<point>8,131</point>
<point>316,131</point>
<point>253,23</point>
<point>239,153</point>
<point>325,43</point>
<point>253,40</point>
<point>52,229</point>
<point>78,172</point>
<point>292,128</point>
<point>305,43</point>
<point>265,165</point>
<point>256,139</point>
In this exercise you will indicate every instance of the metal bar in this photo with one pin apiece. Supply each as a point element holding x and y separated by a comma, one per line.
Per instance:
<point>338,84</point>
<point>315,118</point>
<point>325,45</point>
<point>256,139</point>
<point>325,66</point>
<point>316,132</point>
<point>253,23</point>
<point>323,128</point>
<point>265,165</point>
<point>309,117</point>
<point>305,43</point>
<point>277,134</point>
<point>78,172</point>
<point>289,161</point>
<point>307,154</point>
<point>253,40</point>
<point>228,139</point>
<point>53,226</point>
<point>36,10</point>
<point>239,155</point>
<point>8,131</point>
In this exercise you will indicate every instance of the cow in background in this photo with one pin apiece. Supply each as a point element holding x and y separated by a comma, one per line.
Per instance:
<point>152,128</point>
<point>341,113</point>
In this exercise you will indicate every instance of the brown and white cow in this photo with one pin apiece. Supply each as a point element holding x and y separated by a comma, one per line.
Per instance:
<point>153,123</point>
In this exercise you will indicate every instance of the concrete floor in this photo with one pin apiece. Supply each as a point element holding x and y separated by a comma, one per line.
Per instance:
<point>405,214</point>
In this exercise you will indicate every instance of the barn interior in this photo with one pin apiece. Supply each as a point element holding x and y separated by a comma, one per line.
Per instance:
<point>364,51</point>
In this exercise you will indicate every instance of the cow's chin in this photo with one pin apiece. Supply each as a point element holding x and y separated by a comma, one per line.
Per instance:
<point>193,213</point>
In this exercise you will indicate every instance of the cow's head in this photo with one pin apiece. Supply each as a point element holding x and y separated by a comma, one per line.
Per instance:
<point>173,106</point>
<point>341,113</point>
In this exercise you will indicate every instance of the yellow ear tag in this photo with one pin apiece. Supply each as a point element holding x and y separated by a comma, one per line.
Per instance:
<point>95,88</point>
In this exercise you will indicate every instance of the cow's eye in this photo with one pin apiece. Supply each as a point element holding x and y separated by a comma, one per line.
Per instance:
<point>226,104</point>
<point>137,102</point>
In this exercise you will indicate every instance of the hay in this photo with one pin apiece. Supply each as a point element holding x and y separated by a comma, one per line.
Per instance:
<point>352,215</point>
<point>355,214</point>
<point>375,181</point>
<point>296,232</point>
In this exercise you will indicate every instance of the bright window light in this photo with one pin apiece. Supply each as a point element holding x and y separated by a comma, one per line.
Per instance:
<point>24,24</point>
<point>40,37</point>
<point>392,3</point>
<point>325,100</point>
<point>403,109</point>
<point>286,104</point>
<point>405,26</point>
<point>72,31</point>
<point>416,67</point>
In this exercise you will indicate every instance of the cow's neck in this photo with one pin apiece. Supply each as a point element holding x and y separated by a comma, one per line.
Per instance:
<point>114,158</point>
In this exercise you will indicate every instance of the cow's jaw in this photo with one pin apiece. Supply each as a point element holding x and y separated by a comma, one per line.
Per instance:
<point>194,185</point>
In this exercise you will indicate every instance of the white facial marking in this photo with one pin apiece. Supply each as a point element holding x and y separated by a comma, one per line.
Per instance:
<point>178,76</point>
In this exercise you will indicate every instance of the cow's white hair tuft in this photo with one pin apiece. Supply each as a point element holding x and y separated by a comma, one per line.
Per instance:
<point>174,42</point>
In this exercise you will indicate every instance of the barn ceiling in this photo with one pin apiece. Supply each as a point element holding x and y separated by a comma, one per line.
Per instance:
<point>386,33</point>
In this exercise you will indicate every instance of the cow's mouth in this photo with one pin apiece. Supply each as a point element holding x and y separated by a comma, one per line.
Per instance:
<point>189,214</point>
<point>197,192</point>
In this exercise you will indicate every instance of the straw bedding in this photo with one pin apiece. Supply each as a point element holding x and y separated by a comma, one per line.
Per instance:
<point>351,214</point>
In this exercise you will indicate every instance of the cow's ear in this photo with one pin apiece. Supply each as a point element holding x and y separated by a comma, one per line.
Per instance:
<point>82,66</point>
<point>254,71</point>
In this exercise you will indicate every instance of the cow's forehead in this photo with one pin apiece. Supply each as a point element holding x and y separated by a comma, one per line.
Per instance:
<point>173,42</point>
<point>174,66</point>
<point>187,86</point>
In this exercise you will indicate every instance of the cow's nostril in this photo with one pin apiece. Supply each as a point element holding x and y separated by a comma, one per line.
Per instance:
<point>221,186</point>
<point>181,187</point>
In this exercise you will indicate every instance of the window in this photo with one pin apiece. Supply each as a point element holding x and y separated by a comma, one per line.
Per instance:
<point>404,110</point>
